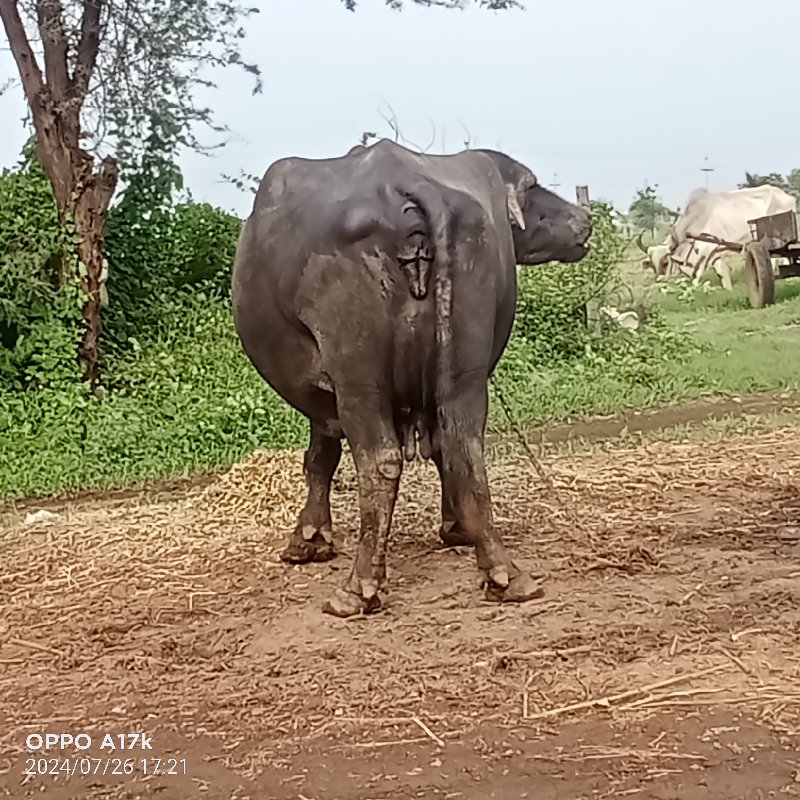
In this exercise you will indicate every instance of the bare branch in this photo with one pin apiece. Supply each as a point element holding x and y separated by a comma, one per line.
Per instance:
<point>6,85</point>
<point>433,137</point>
<point>491,5</point>
<point>88,47</point>
<point>392,122</point>
<point>54,42</point>
<point>468,139</point>
<point>29,71</point>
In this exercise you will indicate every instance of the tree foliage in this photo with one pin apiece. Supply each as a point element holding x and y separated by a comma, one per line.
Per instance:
<point>790,183</point>
<point>647,210</point>
<point>39,297</point>
<point>163,249</point>
<point>132,65</point>
<point>492,5</point>
<point>102,76</point>
<point>552,299</point>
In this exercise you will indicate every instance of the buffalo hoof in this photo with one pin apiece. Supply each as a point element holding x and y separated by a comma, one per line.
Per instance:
<point>301,549</point>
<point>346,604</point>
<point>452,536</point>
<point>500,588</point>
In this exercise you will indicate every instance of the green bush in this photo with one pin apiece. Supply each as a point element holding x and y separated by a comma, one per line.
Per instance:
<point>552,299</point>
<point>189,400</point>
<point>40,300</point>
<point>557,364</point>
<point>181,396</point>
<point>161,250</point>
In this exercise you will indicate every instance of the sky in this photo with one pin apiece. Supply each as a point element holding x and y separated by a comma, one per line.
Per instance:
<point>606,93</point>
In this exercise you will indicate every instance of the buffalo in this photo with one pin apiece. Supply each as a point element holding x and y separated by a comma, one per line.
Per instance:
<point>375,293</point>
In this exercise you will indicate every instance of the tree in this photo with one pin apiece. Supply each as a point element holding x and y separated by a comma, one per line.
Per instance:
<point>647,210</point>
<point>100,76</point>
<point>789,183</point>
<point>493,5</point>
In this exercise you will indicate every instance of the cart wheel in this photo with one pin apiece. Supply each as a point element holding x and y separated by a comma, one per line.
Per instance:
<point>760,278</point>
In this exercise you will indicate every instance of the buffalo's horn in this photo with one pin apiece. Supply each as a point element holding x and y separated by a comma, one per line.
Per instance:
<point>513,206</point>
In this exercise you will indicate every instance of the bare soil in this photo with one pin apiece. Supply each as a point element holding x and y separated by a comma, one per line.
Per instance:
<point>663,661</point>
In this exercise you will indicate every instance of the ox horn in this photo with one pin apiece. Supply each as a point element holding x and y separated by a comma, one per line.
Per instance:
<point>639,242</point>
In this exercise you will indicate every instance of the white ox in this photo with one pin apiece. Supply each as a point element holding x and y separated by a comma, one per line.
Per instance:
<point>724,215</point>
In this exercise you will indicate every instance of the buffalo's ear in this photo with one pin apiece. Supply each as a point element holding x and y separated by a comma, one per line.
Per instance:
<point>514,210</point>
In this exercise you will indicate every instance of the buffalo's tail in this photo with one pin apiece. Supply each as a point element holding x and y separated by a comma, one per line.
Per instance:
<point>440,218</point>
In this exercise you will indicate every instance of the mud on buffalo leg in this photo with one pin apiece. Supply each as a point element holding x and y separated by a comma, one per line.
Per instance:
<point>464,482</point>
<point>312,538</point>
<point>376,450</point>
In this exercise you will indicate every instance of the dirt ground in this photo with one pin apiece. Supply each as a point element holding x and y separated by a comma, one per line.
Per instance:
<point>670,620</point>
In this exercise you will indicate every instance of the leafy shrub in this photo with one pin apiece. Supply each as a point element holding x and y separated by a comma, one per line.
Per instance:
<point>552,298</point>
<point>40,299</point>
<point>161,251</point>
<point>182,396</point>
<point>557,364</point>
<point>188,400</point>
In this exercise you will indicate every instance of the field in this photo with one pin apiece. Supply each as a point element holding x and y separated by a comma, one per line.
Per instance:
<point>142,590</point>
<point>189,401</point>
<point>153,644</point>
<point>662,661</point>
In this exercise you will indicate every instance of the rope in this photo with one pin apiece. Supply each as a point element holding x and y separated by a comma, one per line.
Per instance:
<point>515,426</point>
<point>564,498</point>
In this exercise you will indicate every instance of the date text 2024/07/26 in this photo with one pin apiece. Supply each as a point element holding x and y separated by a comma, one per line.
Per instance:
<point>85,765</point>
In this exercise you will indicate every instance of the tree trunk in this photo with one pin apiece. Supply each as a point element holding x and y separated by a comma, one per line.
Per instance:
<point>83,197</point>
<point>89,212</point>
<point>81,194</point>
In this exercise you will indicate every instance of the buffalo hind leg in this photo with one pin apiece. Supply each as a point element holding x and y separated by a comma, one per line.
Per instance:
<point>376,451</point>
<point>450,532</point>
<point>466,486</point>
<point>312,538</point>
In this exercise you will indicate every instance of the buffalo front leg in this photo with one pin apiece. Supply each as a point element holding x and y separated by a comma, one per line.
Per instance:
<point>466,487</point>
<point>312,538</point>
<point>379,464</point>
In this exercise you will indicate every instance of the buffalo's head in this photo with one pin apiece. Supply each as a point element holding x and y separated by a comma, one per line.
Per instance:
<point>544,226</point>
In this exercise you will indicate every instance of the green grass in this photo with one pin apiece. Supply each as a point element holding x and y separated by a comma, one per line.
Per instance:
<point>190,401</point>
<point>733,349</point>
<point>744,349</point>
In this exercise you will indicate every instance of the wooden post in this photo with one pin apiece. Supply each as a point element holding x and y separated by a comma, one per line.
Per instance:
<point>592,309</point>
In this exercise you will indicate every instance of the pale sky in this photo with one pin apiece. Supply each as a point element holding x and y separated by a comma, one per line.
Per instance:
<point>608,93</point>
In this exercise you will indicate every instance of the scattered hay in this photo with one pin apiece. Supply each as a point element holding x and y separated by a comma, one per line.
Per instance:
<point>268,490</point>
<point>181,607</point>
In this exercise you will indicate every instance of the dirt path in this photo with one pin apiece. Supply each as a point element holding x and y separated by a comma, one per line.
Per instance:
<point>672,588</point>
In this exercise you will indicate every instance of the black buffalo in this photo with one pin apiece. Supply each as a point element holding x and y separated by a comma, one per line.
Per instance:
<point>375,293</point>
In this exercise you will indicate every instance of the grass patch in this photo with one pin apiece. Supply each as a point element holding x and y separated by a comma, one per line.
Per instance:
<point>188,399</point>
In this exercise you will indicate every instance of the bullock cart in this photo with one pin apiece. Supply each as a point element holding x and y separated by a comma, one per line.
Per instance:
<point>773,236</point>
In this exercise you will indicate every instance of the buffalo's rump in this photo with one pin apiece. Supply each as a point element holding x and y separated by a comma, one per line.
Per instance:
<point>336,284</point>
